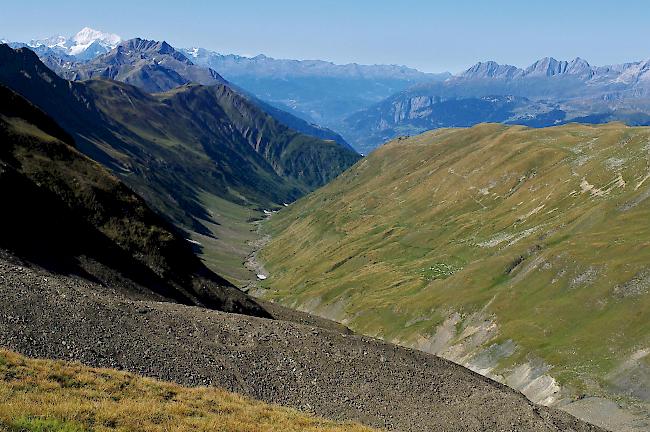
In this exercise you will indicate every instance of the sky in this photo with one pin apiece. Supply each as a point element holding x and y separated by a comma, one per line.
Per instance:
<point>433,36</point>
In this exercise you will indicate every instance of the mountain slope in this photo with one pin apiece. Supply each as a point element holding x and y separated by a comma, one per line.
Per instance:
<point>520,253</point>
<point>67,213</point>
<point>82,264</point>
<point>173,147</point>
<point>550,92</point>
<point>157,67</point>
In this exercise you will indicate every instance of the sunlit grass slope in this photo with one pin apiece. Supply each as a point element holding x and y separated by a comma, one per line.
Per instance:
<point>45,395</point>
<point>493,234</point>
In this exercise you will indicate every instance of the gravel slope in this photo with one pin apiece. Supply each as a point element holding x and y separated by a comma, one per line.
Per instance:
<point>336,375</point>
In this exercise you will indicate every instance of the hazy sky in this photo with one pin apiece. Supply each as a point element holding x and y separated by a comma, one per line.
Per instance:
<point>430,35</point>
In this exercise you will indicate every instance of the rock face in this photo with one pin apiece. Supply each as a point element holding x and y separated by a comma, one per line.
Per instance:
<point>491,69</point>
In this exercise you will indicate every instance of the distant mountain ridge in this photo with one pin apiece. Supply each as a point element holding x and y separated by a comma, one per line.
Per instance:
<point>84,45</point>
<point>548,92</point>
<point>546,67</point>
<point>318,91</point>
<point>262,65</point>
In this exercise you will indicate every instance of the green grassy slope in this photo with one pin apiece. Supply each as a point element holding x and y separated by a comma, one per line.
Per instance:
<point>494,246</point>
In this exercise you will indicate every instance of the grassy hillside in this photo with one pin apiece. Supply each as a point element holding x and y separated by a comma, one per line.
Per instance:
<point>523,254</point>
<point>46,395</point>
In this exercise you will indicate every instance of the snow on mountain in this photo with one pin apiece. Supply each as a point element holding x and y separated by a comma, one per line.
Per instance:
<point>51,42</point>
<point>84,45</point>
<point>87,36</point>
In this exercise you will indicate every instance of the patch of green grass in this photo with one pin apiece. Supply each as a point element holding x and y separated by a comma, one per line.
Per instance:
<point>232,231</point>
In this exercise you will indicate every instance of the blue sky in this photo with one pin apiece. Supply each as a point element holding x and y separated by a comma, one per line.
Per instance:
<point>430,35</point>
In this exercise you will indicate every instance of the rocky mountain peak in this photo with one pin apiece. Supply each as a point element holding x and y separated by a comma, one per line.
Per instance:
<point>147,48</point>
<point>491,69</point>
<point>548,67</point>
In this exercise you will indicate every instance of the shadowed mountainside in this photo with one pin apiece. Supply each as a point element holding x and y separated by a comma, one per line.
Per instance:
<point>67,213</point>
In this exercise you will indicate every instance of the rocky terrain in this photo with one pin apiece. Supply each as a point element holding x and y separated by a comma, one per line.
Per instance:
<point>336,375</point>
<point>54,395</point>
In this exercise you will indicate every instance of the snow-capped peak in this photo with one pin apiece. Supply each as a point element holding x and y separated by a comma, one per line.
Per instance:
<point>51,42</point>
<point>86,36</point>
<point>79,44</point>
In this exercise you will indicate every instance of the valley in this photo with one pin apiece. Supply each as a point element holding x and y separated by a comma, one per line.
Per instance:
<point>196,240</point>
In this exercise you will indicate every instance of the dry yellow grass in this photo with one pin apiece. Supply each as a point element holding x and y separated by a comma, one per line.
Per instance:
<point>46,395</point>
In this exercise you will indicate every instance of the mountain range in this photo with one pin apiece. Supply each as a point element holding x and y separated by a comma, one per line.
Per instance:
<point>299,93</point>
<point>84,45</point>
<point>156,66</point>
<point>548,92</point>
<point>318,91</point>
<point>366,105</point>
